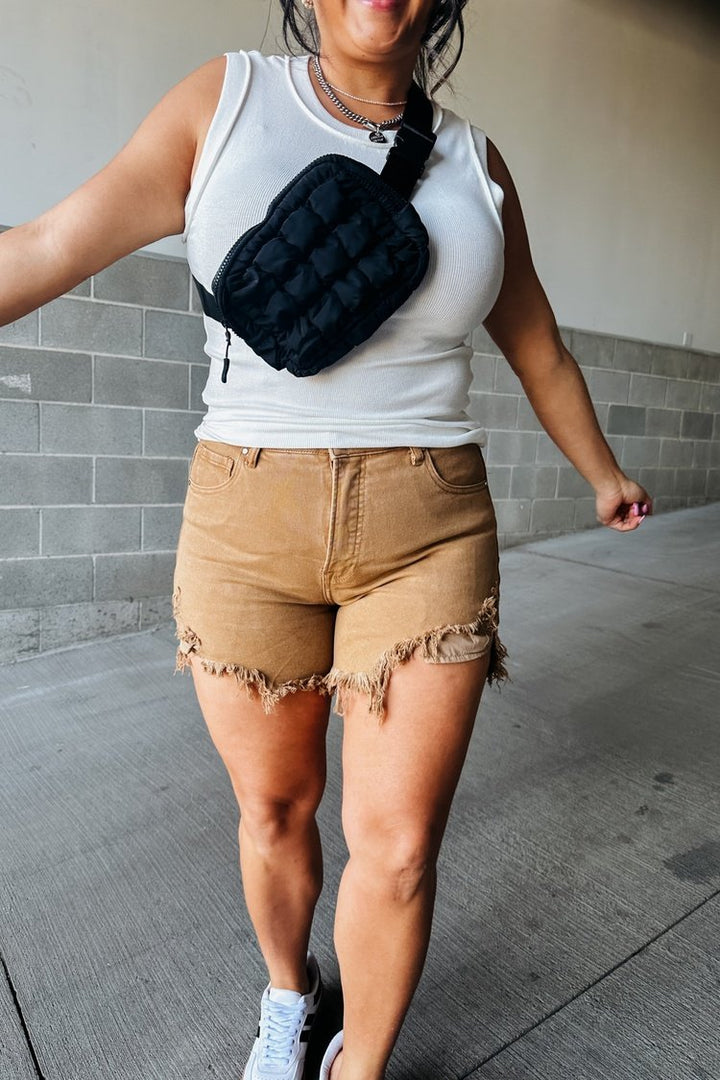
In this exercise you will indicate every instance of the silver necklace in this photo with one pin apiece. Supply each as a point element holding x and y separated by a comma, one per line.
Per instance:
<point>365,100</point>
<point>376,127</point>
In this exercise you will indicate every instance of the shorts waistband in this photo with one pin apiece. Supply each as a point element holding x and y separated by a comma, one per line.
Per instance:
<point>250,454</point>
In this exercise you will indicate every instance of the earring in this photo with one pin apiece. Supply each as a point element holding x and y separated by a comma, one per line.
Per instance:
<point>308,3</point>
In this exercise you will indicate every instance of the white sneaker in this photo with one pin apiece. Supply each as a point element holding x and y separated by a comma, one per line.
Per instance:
<point>331,1053</point>
<point>284,1029</point>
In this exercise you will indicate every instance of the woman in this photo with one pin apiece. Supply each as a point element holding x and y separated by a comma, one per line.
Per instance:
<point>338,532</point>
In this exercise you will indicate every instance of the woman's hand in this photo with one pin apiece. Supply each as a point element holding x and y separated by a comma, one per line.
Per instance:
<point>623,506</point>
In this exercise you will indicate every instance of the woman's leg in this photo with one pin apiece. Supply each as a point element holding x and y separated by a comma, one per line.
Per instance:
<point>276,765</point>
<point>399,779</point>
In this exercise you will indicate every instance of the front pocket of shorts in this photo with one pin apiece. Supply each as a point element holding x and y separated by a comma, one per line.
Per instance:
<point>458,470</point>
<point>210,471</point>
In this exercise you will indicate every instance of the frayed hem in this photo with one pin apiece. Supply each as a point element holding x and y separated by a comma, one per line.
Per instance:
<point>255,682</point>
<point>375,682</point>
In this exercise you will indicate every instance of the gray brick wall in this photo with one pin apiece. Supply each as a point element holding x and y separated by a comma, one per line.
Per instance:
<point>658,406</point>
<point>100,393</point>
<point>96,429</point>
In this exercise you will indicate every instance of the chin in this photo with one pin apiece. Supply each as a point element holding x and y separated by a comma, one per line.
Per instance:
<point>380,34</point>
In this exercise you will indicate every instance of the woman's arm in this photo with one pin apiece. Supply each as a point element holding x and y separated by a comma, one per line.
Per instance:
<point>523,326</point>
<point>137,198</point>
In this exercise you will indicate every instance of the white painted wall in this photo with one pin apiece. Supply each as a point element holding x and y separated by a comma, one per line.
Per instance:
<point>77,77</point>
<point>606,114</point>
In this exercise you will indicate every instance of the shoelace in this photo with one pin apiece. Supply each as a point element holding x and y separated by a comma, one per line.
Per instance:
<point>279,1029</point>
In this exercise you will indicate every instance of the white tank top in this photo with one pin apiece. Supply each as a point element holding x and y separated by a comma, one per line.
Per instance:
<point>408,384</point>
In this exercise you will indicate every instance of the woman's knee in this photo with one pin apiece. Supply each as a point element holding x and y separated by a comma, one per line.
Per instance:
<point>270,822</point>
<point>396,861</point>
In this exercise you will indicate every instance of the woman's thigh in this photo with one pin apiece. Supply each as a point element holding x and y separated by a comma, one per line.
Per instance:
<point>400,773</point>
<point>273,759</point>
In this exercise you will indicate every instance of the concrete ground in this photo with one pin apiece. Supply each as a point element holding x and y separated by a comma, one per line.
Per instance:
<point>579,903</point>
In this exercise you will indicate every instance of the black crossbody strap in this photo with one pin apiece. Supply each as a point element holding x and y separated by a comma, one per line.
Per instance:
<point>209,303</point>
<point>414,140</point>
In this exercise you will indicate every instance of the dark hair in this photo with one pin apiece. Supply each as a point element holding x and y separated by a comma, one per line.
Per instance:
<point>438,55</point>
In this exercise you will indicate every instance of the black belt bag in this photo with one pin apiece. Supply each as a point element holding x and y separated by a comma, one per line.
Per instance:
<point>339,250</point>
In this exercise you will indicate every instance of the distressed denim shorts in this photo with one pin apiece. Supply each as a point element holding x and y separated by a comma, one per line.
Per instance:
<point>325,569</point>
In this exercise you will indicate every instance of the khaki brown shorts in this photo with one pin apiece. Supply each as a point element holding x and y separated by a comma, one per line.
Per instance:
<point>325,569</point>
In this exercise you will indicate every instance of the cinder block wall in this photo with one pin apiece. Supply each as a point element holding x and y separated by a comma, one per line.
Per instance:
<point>99,396</point>
<point>658,406</point>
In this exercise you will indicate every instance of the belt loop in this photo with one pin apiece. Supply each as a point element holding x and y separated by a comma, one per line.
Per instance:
<point>417,455</point>
<point>249,455</point>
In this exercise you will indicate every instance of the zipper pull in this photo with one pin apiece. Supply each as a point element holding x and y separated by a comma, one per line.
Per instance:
<point>226,363</point>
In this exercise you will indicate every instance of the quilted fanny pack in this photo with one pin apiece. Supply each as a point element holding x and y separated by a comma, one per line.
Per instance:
<point>339,250</point>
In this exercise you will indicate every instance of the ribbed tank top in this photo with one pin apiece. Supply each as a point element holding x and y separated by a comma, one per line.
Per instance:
<point>408,384</point>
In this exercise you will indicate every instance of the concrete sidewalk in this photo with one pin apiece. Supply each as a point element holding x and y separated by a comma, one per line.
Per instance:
<point>578,915</point>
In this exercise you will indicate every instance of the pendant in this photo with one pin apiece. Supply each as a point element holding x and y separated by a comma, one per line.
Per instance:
<point>377,136</point>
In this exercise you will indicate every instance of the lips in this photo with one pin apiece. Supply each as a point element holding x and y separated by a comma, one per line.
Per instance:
<point>383,5</point>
